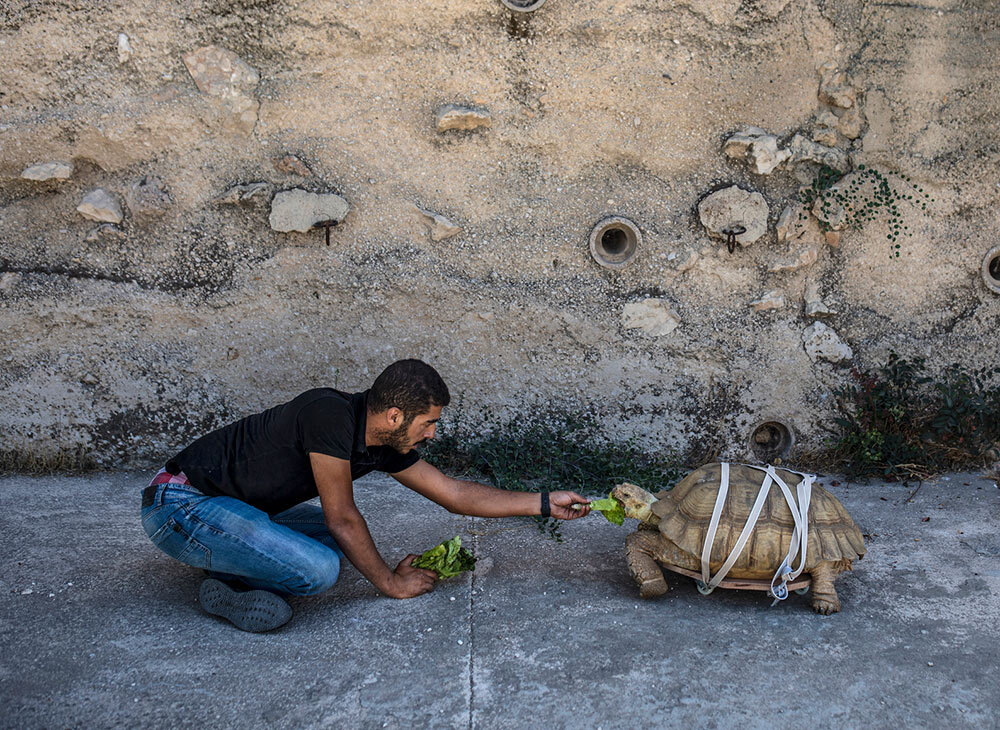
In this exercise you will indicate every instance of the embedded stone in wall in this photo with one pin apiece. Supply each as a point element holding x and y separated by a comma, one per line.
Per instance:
<point>148,197</point>
<point>822,343</point>
<point>804,149</point>
<point>734,206</point>
<point>825,136</point>
<point>224,75</point>
<point>218,72</point>
<point>654,317</point>
<point>774,299</point>
<point>828,211</point>
<point>105,232</point>
<point>826,118</point>
<point>243,114</point>
<point>737,146</point>
<point>300,210</point>
<point>834,88</point>
<point>440,227</point>
<point>291,165</point>
<point>850,122</point>
<point>759,145</point>
<point>766,155</point>
<point>100,205</point>
<point>825,131</point>
<point>687,262</point>
<point>806,257</point>
<point>815,306</point>
<point>124,48</point>
<point>48,171</point>
<point>250,193</point>
<point>452,116</point>
<point>787,220</point>
<point>9,280</point>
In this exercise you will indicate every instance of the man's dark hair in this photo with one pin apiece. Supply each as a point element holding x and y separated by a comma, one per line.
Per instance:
<point>412,386</point>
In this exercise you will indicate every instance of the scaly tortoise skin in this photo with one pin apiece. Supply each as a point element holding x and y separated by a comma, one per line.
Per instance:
<point>673,525</point>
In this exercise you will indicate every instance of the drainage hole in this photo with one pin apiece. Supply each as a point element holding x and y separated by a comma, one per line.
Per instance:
<point>770,440</point>
<point>993,268</point>
<point>614,241</point>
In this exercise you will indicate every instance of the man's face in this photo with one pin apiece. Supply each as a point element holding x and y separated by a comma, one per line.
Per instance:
<point>419,431</point>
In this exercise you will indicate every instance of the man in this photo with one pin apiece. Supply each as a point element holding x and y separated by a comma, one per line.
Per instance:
<point>231,503</point>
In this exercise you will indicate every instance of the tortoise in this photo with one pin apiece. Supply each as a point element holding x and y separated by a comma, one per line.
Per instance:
<point>673,526</point>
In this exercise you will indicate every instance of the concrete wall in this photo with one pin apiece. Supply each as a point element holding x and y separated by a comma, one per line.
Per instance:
<point>125,339</point>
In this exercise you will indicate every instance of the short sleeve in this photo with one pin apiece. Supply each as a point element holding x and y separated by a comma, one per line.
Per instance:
<point>326,426</point>
<point>394,462</point>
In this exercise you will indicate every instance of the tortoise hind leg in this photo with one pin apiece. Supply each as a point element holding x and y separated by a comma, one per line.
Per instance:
<point>824,595</point>
<point>640,551</point>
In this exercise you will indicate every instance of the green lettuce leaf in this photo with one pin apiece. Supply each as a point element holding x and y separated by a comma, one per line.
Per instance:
<point>447,559</point>
<point>611,508</point>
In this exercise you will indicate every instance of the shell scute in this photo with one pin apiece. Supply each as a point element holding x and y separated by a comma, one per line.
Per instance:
<point>686,510</point>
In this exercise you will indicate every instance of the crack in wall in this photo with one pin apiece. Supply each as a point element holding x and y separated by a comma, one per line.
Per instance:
<point>80,274</point>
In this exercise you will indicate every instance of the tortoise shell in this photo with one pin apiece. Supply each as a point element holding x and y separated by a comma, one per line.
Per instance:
<point>685,512</point>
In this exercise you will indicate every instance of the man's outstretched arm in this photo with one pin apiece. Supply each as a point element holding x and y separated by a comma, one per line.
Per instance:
<point>349,529</point>
<point>480,500</point>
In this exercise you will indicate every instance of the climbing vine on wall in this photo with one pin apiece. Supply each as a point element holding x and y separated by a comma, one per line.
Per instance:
<point>853,200</point>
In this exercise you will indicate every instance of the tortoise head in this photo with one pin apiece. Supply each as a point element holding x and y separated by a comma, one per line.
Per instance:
<point>636,501</point>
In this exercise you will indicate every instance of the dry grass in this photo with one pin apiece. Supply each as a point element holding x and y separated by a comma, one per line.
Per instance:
<point>23,461</point>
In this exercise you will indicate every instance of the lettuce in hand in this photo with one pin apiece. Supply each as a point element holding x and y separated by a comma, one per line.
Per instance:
<point>611,508</point>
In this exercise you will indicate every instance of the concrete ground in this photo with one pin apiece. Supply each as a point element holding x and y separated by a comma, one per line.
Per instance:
<point>98,629</point>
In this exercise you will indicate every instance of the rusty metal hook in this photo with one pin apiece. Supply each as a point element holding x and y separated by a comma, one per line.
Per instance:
<point>731,233</point>
<point>327,225</point>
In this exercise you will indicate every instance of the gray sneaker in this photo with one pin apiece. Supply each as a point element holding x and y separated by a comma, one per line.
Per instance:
<point>253,610</point>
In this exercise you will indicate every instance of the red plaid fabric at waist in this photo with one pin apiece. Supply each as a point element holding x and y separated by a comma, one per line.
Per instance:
<point>165,477</point>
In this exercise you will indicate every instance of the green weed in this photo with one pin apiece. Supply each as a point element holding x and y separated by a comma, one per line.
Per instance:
<point>897,422</point>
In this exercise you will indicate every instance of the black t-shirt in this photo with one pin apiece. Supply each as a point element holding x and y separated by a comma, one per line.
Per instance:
<point>264,459</point>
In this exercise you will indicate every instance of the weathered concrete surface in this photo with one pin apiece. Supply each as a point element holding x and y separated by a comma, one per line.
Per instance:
<point>111,635</point>
<point>596,110</point>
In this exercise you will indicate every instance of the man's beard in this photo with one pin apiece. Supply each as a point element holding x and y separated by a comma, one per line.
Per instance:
<point>398,439</point>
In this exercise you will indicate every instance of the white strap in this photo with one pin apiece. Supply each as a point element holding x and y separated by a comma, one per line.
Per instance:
<point>800,532</point>
<point>713,525</point>
<point>744,537</point>
<point>800,536</point>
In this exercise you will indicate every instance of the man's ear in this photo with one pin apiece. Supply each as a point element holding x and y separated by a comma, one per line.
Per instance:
<point>395,417</point>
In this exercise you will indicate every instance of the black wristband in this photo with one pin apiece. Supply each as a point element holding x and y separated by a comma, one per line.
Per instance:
<point>546,511</point>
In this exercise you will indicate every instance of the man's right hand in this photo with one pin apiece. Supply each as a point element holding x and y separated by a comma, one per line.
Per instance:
<point>409,582</point>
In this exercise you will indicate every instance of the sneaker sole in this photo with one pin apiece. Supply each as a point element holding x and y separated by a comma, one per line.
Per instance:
<point>254,610</point>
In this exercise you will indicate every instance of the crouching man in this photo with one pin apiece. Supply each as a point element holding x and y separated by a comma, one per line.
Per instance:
<point>231,503</point>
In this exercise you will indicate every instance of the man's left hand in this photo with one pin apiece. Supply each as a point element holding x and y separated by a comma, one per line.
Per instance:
<point>560,505</point>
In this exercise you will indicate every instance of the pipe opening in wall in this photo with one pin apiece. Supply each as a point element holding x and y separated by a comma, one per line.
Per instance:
<point>771,440</point>
<point>523,6</point>
<point>991,269</point>
<point>614,241</point>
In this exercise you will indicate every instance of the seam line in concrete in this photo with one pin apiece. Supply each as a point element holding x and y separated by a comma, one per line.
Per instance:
<point>472,600</point>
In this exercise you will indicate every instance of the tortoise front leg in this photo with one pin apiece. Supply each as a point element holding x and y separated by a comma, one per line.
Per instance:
<point>824,595</point>
<point>640,551</point>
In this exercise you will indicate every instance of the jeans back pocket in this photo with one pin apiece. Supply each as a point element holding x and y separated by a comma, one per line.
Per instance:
<point>176,542</point>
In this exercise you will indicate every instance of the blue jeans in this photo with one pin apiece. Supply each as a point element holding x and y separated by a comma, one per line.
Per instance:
<point>291,553</point>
